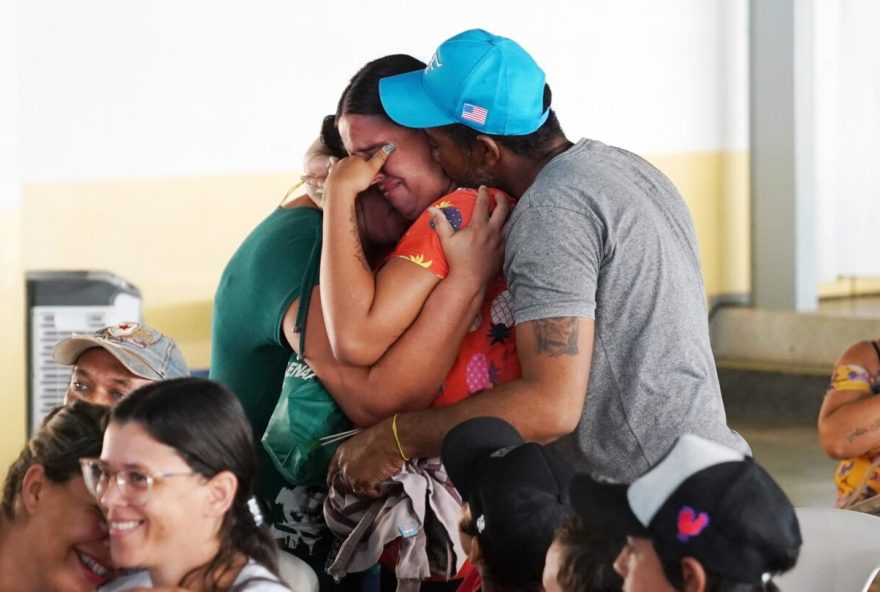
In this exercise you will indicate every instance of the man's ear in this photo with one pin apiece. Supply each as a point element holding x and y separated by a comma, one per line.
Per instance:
<point>693,575</point>
<point>221,492</point>
<point>33,488</point>
<point>485,152</point>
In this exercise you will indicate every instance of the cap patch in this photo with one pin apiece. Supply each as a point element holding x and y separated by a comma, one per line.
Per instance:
<point>691,524</point>
<point>434,62</point>
<point>474,113</point>
<point>121,329</point>
<point>502,452</point>
<point>131,333</point>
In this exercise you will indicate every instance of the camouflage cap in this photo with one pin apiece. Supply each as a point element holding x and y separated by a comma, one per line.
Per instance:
<point>143,350</point>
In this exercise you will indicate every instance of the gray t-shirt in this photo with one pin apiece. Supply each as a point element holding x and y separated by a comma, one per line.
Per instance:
<point>602,234</point>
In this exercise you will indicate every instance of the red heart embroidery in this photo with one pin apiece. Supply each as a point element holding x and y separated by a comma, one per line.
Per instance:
<point>691,524</point>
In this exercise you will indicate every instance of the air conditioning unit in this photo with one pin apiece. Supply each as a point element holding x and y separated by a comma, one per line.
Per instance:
<point>61,303</point>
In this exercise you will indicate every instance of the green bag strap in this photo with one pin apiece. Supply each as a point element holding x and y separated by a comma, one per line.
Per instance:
<point>310,280</point>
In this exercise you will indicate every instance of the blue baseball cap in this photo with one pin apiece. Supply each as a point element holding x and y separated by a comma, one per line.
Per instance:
<point>486,82</point>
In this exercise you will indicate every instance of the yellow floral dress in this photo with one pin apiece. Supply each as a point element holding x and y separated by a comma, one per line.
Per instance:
<point>857,478</point>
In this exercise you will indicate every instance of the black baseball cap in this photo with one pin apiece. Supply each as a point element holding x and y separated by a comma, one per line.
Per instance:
<point>517,493</point>
<point>702,500</point>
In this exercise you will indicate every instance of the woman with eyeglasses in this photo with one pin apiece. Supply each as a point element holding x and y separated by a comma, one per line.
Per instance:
<point>53,537</point>
<point>174,479</point>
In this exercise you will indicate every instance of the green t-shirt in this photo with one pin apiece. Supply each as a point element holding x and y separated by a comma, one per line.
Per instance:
<point>276,264</point>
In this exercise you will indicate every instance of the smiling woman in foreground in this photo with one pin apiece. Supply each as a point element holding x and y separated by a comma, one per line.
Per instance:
<point>174,480</point>
<point>53,537</point>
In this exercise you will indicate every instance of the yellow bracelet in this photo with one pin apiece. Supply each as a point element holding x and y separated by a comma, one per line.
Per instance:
<point>397,438</point>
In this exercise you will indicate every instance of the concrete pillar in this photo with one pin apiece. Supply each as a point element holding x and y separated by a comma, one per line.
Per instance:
<point>782,155</point>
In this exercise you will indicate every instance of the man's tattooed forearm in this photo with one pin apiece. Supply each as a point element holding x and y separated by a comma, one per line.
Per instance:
<point>557,337</point>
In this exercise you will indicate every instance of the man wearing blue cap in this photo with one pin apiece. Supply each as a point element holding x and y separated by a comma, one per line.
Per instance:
<point>602,263</point>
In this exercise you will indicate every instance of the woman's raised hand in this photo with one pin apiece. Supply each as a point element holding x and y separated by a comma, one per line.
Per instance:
<point>353,174</point>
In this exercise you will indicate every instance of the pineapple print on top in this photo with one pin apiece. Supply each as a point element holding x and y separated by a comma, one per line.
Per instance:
<point>502,318</point>
<point>481,373</point>
<point>452,213</point>
<point>421,245</point>
<point>487,356</point>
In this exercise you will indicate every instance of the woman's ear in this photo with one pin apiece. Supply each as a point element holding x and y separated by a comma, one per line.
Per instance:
<point>693,575</point>
<point>33,487</point>
<point>221,492</point>
<point>485,151</point>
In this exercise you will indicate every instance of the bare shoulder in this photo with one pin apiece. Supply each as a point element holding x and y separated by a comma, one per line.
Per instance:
<point>861,353</point>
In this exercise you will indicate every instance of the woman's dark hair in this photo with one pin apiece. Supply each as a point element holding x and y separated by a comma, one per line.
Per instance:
<point>513,560</point>
<point>330,137</point>
<point>204,422</point>
<point>497,573</point>
<point>533,145</point>
<point>67,434</point>
<point>671,562</point>
<point>586,563</point>
<point>361,96</point>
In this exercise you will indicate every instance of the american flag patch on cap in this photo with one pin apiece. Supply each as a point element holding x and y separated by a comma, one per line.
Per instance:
<point>474,113</point>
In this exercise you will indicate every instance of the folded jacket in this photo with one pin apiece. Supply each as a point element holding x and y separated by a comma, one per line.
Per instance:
<point>419,508</point>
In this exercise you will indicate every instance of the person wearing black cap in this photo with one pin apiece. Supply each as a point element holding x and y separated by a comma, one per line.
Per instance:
<point>704,518</point>
<point>515,495</point>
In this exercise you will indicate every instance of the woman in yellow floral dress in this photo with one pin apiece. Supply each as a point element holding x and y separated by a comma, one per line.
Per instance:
<point>849,424</point>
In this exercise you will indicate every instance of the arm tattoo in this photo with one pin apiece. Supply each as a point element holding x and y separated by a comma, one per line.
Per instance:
<point>557,337</point>
<point>358,248</point>
<point>861,431</point>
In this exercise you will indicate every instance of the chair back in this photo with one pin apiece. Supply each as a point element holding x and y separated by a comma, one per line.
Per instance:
<point>841,552</point>
<point>296,573</point>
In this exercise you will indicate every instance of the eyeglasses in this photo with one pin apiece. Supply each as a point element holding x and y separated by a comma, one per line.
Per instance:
<point>134,485</point>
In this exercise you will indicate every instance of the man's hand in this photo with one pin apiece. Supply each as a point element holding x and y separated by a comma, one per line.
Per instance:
<point>353,174</point>
<point>484,235</point>
<point>367,459</point>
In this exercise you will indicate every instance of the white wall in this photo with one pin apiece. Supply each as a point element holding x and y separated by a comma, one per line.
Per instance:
<point>847,90</point>
<point>121,88</point>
